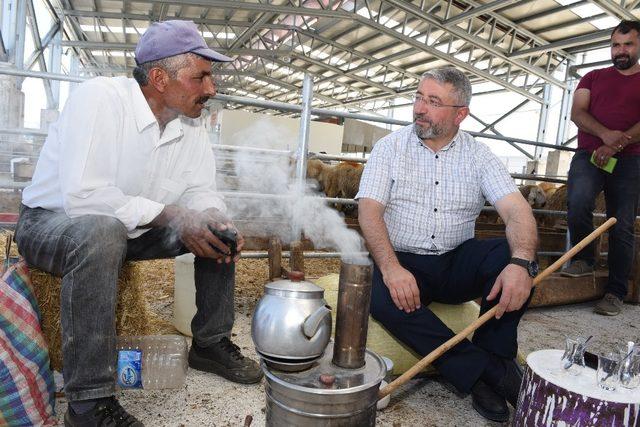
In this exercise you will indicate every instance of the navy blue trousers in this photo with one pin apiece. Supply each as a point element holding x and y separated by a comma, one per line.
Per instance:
<point>463,274</point>
<point>621,191</point>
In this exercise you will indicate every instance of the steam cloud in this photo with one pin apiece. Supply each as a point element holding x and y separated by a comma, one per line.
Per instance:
<point>275,174</point>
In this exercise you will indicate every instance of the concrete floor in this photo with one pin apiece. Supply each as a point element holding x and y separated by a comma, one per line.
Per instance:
<point>207,400</point>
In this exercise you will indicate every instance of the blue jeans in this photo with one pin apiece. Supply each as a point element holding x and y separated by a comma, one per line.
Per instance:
<point>87,252</point>
<point>463,274</point>
<point>621,191</point>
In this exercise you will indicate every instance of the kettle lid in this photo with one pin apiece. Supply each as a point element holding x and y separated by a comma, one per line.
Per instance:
<point>294,287</point>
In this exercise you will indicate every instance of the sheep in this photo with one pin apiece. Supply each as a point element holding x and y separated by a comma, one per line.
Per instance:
<point>549,188</point>
<point>339,181</point>
<point>534,195</point>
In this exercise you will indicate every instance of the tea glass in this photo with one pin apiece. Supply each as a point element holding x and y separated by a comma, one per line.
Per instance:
<point>572,361</point>
<point>608,373</point>
<point>630,368</point>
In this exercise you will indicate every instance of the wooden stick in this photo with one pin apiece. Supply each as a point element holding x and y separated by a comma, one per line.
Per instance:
<point>296,257</point>
<point>429,358</point>
<point>275,258</point>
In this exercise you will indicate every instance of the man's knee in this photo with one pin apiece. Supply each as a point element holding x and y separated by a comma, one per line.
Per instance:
<point>103,235</point>
<point>580,198</point>
<point>384,310</point>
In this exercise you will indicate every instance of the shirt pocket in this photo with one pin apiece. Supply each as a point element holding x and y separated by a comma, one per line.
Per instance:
<point>170,190</point>
<point>464,194</point>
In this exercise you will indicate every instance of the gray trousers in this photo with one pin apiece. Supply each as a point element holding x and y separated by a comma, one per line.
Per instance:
<point>87,253</point>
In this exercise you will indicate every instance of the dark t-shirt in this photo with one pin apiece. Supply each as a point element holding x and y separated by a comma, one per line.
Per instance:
<point>614,102</point>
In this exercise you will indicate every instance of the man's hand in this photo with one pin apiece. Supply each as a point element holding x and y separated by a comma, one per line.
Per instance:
<point>195,230</point>
<point>603,154</point>
<point>615,139</point>
<point>515,284</point>
<point>403,288</point>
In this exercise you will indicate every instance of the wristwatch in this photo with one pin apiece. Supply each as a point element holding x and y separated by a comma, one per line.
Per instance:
<point>530,266</point>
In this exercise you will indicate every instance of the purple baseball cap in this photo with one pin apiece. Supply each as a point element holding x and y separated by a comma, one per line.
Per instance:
<point>170,38</point>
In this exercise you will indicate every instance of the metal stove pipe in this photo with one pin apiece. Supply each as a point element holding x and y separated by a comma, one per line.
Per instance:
<point>354,299</point>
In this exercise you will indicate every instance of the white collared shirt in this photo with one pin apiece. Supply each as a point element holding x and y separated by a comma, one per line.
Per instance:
<point>105,155</point>
<point>432,199</point>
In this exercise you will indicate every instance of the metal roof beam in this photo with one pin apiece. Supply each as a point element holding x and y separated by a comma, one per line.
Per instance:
<point>569,42</point>
<point>475,11</point>
<point>141,17</point>
<point>338,70</point>
<point>39,48</point>
<point>132,46</point>
<point>258,7</point>
<point>614,9</point>
<point>43,45</point>
<point>564,25</point>
<point>548,12</point>
<point>480,43</point>
<point>362,55</point>
<point>449,58</point>
<point>510,24</point>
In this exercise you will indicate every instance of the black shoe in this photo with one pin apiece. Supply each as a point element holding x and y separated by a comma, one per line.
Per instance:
<point>224,358</point>
<point>489,404</point>
<point>509,385</point>
<point>107,412</point>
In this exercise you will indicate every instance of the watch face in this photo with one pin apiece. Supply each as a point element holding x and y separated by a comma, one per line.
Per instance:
<point>532,268</point>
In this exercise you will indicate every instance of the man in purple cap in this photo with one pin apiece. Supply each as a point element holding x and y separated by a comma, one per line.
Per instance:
<point>127,173</point>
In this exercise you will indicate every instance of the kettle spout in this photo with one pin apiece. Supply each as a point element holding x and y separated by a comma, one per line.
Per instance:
<point>312,323</point>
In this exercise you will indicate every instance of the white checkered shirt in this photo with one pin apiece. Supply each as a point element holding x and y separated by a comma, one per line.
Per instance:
<point>432,199</point>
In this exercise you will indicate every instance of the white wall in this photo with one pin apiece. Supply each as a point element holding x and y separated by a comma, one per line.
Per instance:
<point>244,128</point>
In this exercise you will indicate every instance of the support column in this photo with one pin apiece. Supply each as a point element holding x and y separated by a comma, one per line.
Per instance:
<point>544,115</point>
<point>55,60</point>
<point>303,148</point>
<point>565,107</point>
<point>74,70</point>
<point>20,30</point>
<point>9,27</point>
<point>534,166</point>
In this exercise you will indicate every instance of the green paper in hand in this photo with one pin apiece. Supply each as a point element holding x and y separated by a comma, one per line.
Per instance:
<point>609,166</point>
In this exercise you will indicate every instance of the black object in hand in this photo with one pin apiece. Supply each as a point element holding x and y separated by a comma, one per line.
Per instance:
<point>229,237</point>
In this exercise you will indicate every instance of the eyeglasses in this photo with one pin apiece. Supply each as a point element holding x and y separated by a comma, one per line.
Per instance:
<point>417,98</point>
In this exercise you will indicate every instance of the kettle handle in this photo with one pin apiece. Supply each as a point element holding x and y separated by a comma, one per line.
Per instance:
<point>312,323</point>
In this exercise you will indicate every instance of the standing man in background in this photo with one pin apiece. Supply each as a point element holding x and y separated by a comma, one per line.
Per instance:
<point>606,109</point>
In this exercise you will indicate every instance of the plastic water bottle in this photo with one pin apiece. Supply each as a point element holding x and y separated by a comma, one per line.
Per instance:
<point>152,361</point>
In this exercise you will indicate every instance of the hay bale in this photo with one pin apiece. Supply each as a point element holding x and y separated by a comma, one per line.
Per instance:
<point>133,316</point>
<point>379,340</point>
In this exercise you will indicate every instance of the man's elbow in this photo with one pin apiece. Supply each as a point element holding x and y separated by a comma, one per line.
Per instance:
<point>368,212</point>
<point>576,114</point>
<point>364,210</point>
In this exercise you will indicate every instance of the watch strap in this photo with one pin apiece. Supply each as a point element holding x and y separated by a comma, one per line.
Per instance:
<point>519,261</point>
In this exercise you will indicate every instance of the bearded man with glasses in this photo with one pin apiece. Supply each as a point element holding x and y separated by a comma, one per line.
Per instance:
<point>419,196</point>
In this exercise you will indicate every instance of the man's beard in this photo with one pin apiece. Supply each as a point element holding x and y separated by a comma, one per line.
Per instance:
<point>623,62</point>
<point>433,131</point>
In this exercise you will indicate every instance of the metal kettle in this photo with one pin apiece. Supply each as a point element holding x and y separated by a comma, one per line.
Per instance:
<point>292,321</point>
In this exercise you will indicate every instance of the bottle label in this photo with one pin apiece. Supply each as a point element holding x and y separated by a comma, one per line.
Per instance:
<point>130,368</point>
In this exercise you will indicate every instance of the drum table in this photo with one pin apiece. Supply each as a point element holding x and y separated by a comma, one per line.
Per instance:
<point>549,397</point>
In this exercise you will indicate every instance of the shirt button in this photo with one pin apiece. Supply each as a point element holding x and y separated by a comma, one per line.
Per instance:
<point>435,209</point>
<point>433,237</point>
<point>437,156</point>
<point>437,182</point>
